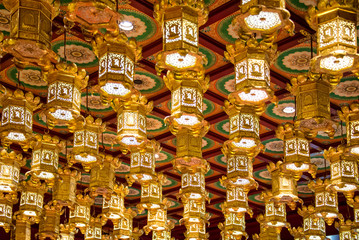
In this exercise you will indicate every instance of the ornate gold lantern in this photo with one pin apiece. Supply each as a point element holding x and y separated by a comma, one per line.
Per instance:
<point>94,230</point>
<point>6,203</point>
<point>194,211</point>
<point>236,201</point>
<point>94,14</point>
<point>16,121</point>
<point>123,229</point>
<point>161,235</point>
<point>326,201</point>
<point>65,83</point>
<point>345,230</point>
<point>233,227</point>
<point>117,58</point>
<point>50,224</point>
<point>151,193</point>
<point>102,177</point>
<point>32,198</point>
<point>296,151</point>
<point>251,61</point>
<point>23,227</point>
<point>343,170</point>
<point>275,214</point>
<point>86,141</point>
<point>354,203</point>
<point>10,164</point>
<point>45,157</point>
<point>196,231</point>
<point>313,226</point>
<point>64,191</point>
<point>31,30</point>
<point>80,214</point>
<point>350,115</point>
<point>131,120</point>
<point>67,232</point>
<point>180,23</point>
<point>156,219</point>
<point>193,185</point>
<point>113,209</point>
<point>266,233</point>
<point>297,233</point>
<point>337,36</point>
<point>313,102</point>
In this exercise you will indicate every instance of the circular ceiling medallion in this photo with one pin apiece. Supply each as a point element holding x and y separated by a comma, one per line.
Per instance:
<point>273,145</point>
<point>340,132</point>
<point>255,198</point>
<point>123,169</point>
<point>94,103</point>
<point>4,20</point>
<point>155,124</point>
<point>294,60</point>
<point>218,206</point>
<point>108,139</point>
<point>40,118</point>
<point>147,82</point>
<point>143,26</point>
<point>30,77</point>
<point>227,30</point>
<point>285,110</point>
<point>85,178</point>
<point>207,143</point>
<point>221,159</point>
<point>133,192</point>
<point>211,57</point>
<point>320,162</point>
<point>304,189</point>
<point>263,174</point>
<point>226,85</point>
<point>208,106</point>
<point>302,5</point>
<point>164,157</point>
<point>173,203</point>
<point>222,127</point>
<point>347,89</point>
<point>169,183</point>
<point>77,52</point>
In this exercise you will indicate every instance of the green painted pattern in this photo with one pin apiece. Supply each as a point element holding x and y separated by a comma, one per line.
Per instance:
<point>271,106</point>
<point>211,57</point>
<point>279,63</point>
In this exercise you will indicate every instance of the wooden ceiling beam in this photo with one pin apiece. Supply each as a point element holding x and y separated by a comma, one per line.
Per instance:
<point>221,72</point>
<point>211,44</point>
<point>221,12</point>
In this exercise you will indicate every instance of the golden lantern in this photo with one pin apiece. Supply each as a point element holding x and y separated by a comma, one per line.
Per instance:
<point>297,233</point>
<point>313,226</point>
<point>275,214</point>
<point>143,163</point>
<point>196,231</point>
<point>264,17</point>
<point>31,30</point>
<point>251,60</point>
<point>50,224</point>
<point>65,83</point>
<point>194,211</point>
<point>114,207</point>
<point>180,21</point>
<point>267,233</point>
<point>284,186</point>
<point>23,227</point>
<point>16,121</point>
<point>326,201</point>
<point>131,121</point>
<point>80,213</point>
<point>6,204</point>
<point>193,185</point>
<point>86,141</point>
<point>10,164</point>
<point>236,201</point>
<point>117,58</point>
<point>296,151</point>
<point>313,102</point>
<point>157,219</point>
<point>94,14</point>
<point>32,198</point>
<point>123,229</point>
<point>345,229</point>
<point>233,227</point>
<point>350,115</point>
<point>64,191</point>
<point>94,229</point>
<point>343,170</point>
<point>151,193</point>
<point>337,36</point>
<point>67,232</point>
<point>102,177</point>
<point>161,235</point>
<point>45,157</point>
<point>354,203</point>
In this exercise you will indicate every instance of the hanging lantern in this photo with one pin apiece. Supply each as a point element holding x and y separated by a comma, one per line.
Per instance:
<point>6,203</point>
<point>151,193</point>
<point>23,227</point>
<point>326,201</point>
<point>131,121</point>
<point>32,198</point>
<point>193,185</point>
<point>102,177</point>
<point>67,232</point>
<point>275,214</point>
<point>80,214</point>
<point>345,230</point>
<point>313,102</point>
<point>161,235</point>
<point>354,203</point>
<point>194,211</point>
<point>94,230</point>
<point>266,233</point>
<point>296,151</point>
<point>93,15</point>
<point>117,58</point>
<point>16,121</point>
<point>236,201</point>
<point>180,23</point>
<point>113,209</point>
<point>196,231</point>
<point>297,233</point>
<point>343,170</point>
<point>50,224</point>
<point>31,30</point>
<point>64,191</point>
<point>86,141</point>
<point>65,83</point>
<point>251,61</point>
<point>45,157</point>
<point>156,219</point>
<point>143,163</point>
<point>313,226</point>
<point>123,229</point>
<point>335,24</point>
<point>233,227</point>
<point>350,115</point>
<point>10,164</point>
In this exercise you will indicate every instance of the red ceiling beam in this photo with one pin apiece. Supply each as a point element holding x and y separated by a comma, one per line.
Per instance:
<point>221,12</point>
<point>211,44</point>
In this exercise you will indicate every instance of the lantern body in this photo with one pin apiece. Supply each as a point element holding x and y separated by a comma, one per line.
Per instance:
<point>143,165</point>
<point>64,191</point>
<point>67,232</point>
<point>156,219</point>
<point>196,231</point>
<point>275,214</point>
<point>123,229</point>
<point>9,173</point>
<point>188,145</point>
<point>193,185</point>
<point>237,201</point>
<point>50,225</point>
<point>23,230</point>
<point>32,198</point>
<point>353,136</point>
<point>6,206</point>
<point>151,194</point>
<point>80,214</point>
<point>344,173</point>
<point>234,226</point>
<point>93,232</point>
<point>284,185</point>
<point>194,210</point>
<point>102,179</point>
<point>113,208</point>
<point>241,167</point>
<point>314,226</point>
<point>161,235</point>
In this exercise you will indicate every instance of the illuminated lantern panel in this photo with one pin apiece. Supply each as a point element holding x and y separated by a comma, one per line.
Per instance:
<point>64,191</point>
<point>151,194</point>
<point>193,185</point>
<point>284,186</point>
<point>80,214</point>
<point>93,232</point>
<point>113,209</point>
<point>350,115</point>
<point>10,170</point>
<point>275,214</point>
<point>344,174</point>
<point>156,220</point>
<point>237,201</point>
<point>161,235</point>
<point>123,229</point>
<point>6,204</point>
<point>239,166</point>
<point>194,210</point>
<point>50,224</point>
<point>196,231</point>
<point>314,227</point>
<point>243,123</point>
<point>67,232</point>
<point>234,226</point>
<point>353,137</point>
